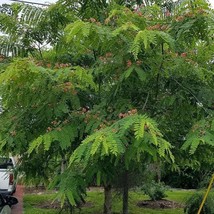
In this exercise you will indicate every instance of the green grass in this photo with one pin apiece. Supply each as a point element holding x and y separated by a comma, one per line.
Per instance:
<point>31,201</point>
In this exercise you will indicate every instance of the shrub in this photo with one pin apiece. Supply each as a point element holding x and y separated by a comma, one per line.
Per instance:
<point>155,191</point>
<point>194,202</point>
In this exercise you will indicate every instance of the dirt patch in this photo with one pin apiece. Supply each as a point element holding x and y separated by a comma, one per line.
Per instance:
<point>49,205</point>
<point>95,189</point>
<point>41,190</point>
<point>34,190</point>
<point>57,205</point>
<point>87,204</point>
<point>37,190</point>
<point>159,204</point>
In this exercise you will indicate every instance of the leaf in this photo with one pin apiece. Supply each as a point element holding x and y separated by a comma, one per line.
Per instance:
<point>35,144</point>
<point>148,37</point>
<point>2,143</point>
<point>105,148</point>
<point>96,144</point>
<point>105,143</point>
<point>128,72</point>
<point>71,198</point>
<point>200,134</point>
<point>166,38</point>
<point>145,36</point>
<point>139,129</point>
<point>164,149</point>
<point>212,125</point>
<point>62,199</point>
<point>47,141</point>
<point>125,27</point>
<point>141,74</point>
<point>194,145</point>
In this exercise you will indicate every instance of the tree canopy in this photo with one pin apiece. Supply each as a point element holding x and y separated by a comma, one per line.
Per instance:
<point>91,89</point>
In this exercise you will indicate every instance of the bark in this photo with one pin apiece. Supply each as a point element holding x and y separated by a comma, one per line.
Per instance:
<point>107,200</point>
<point>125,192</point>
<point>63,165</point>
<point>159,172</point>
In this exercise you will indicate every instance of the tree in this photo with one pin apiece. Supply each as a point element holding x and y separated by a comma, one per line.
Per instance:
<point>128,142</point>
<point>29,30</point>
<point>39,120</point>
<point>122,54</point>
<point>165,82</point>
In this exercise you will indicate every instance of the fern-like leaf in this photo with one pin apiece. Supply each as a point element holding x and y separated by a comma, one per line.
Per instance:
<point>148,37</point>
<point>105,143</point>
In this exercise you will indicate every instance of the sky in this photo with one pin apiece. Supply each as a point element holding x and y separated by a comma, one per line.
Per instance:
<point>37,1</point>
<point>52,1</point>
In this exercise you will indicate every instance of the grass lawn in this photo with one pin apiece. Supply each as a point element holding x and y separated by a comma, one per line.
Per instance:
<point>95,198</point>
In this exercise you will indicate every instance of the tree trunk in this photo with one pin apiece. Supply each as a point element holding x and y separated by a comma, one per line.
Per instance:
<point>107,200</point>
<point>125,192</point>
<point>159,173</point>
<point>63,165</point>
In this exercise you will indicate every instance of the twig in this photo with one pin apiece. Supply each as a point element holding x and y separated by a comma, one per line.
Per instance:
<point>190,93</point>
<point>28,2</point>
<point>144,106</point>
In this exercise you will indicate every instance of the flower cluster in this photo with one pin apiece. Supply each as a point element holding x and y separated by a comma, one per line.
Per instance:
<point>107,58</point>
<point>131,112</point>
<point>158,27</point>
<point>50,65</point>
<point>57,125</point>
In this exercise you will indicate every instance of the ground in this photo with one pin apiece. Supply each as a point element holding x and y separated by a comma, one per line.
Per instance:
<point>38,201</point>
<point>18,208</point>
<point>160,204</point>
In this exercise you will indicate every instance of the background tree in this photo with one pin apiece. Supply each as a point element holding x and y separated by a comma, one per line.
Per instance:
<point>29,30</point>
<point>131,142</point>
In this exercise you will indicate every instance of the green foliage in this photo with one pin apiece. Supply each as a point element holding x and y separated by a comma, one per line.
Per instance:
<point>156,191</point>
<point>86,9</point>
<point>129,27</point>
<point>32,202</point>
<point>40,131</point>
<point>31,117</point>
<point>63,137</point>
<point>71,186</point>
<point>29,29</point>
<point>194,202</point>
<point>47,165</point>
<point>149,38</point>
<point>155,59</point>
<point>116,141</point>
<point>202,133</point>
<point>86,36</point>
<point>30,14</point>
<point>17,30</point>
<point>192,19</point>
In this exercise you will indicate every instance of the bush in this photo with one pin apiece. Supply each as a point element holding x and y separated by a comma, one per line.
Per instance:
<point>155,191</point>
<point>194,202</point>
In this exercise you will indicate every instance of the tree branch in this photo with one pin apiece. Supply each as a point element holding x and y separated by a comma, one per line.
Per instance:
<point>184,87</point>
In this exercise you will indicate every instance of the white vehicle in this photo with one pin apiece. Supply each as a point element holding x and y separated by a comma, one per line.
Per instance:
<point>7,180</point>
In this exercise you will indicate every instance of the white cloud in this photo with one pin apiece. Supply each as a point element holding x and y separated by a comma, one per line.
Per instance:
<point>212,3</point>
<point>52,1</point>
<point>37,1</point>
